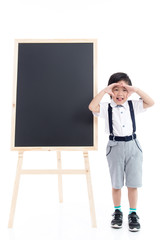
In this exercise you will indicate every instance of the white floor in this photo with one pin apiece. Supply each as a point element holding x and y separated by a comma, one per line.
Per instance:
<point>40,216</point>
<point>72,221</point>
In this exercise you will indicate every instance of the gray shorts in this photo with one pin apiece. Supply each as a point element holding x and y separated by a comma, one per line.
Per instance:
<point>125,162</point>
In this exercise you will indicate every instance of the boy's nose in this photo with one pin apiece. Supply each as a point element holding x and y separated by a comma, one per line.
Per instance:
<point>120,92</point>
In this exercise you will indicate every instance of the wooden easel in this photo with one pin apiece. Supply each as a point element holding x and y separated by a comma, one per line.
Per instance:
<point>58,171</point>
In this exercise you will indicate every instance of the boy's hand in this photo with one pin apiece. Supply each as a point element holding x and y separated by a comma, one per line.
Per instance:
<point>109,89</point>
<point>147,100</point>
<point>130,89</point>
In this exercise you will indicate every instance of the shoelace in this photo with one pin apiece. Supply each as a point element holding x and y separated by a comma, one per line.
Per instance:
<point>117,216</point>
<point>134,219</point>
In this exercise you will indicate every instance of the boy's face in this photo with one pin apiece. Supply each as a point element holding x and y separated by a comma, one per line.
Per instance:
<point>120,93</point>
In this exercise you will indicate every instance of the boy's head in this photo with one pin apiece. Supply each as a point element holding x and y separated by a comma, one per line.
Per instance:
<point>119,91</point>
<point>116,77</point>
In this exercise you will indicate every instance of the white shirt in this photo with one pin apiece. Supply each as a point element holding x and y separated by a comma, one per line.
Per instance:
<point>121,118</point>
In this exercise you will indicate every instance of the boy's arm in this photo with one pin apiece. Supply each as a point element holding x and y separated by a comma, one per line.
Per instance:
<point>147,100</point>
<point>94,104</point>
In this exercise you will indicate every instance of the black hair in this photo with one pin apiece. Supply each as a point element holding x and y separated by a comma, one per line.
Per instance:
<point>116,77</point>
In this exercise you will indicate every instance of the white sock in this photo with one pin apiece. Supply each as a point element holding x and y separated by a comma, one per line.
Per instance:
<point>132,210</point>
<point>117,208</point>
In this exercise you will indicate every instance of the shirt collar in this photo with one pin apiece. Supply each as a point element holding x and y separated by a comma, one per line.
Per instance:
<point>113,104</point>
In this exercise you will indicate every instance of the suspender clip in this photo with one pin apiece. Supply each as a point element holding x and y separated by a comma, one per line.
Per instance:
<point>113,138</point>
<point>133,136</point>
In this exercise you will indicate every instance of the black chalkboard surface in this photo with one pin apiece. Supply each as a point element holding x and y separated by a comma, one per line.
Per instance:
<point>55,81</point>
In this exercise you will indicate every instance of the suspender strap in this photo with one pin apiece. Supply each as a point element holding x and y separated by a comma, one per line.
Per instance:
<point>132,115</point>
<point>110,119</point>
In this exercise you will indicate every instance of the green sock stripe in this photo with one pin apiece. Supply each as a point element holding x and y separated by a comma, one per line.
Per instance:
<point>116,207</point>
<point>132,210</point>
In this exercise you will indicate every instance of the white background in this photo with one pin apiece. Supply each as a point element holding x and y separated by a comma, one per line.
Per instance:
<point>128,41</point>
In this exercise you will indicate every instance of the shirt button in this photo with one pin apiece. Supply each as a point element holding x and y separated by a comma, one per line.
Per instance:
<point>121,112</point>
<point>123,126</point>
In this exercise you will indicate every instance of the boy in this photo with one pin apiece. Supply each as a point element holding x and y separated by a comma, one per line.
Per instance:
<point>124,153</point>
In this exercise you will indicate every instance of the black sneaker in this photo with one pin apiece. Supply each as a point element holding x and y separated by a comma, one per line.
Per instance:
<point>117,219</point>
<point>133,222</point>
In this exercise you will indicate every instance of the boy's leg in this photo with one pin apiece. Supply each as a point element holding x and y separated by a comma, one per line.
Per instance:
<point>133,219</point>
<point>116,195</point>
<point>132,197</point>
<point>117,215</point>
<point>116,168</point>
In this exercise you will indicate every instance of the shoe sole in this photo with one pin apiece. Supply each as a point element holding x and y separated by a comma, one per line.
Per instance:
<point>134,229</point>
<point>116,226</point>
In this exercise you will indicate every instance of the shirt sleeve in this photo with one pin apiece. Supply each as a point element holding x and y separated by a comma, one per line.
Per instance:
<point>138,106</point>
<point>103,110</point>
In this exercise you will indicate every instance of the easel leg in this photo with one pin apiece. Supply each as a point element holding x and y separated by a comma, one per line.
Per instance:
<point>59,166</point>
<point>15,192</point>
<point>90,193</point>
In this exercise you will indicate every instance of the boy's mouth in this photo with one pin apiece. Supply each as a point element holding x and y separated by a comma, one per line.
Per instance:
<point>120,99</point>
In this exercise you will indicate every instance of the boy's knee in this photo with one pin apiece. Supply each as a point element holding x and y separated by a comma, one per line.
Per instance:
<point>116,189</point>
<point>130,189</point>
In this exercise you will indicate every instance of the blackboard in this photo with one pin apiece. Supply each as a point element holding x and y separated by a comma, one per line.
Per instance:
<point>54,84</point>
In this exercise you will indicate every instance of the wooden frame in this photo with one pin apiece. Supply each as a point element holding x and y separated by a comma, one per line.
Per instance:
<point>66,148</point>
